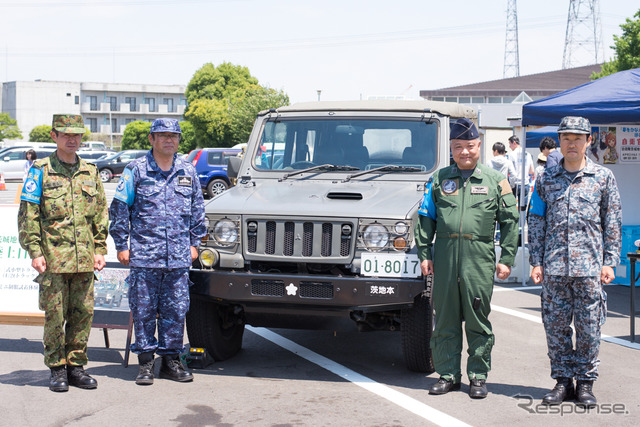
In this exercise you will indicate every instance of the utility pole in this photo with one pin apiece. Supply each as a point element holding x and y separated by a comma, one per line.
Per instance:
<point>583,40</point>
<point>511,52</point>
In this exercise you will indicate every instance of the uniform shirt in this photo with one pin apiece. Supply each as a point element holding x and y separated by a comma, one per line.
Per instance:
<point>554,158</point>
<point>63,215</point>
<point>160,214</point>
<point>453,208</point>
<point>575,224</point>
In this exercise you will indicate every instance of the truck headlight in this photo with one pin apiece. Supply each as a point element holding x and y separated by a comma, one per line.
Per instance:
<point>400,228</point>
<point>225,232</point>
<point>208,258</point>
<point>375,237</point>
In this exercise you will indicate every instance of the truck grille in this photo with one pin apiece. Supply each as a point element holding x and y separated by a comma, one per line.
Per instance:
<point>276,288</point>
<point>267,288</point>
<point>318,290</point>
<point>302,240</point>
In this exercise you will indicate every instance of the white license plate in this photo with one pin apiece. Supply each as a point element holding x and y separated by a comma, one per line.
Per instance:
<point>390,265</point>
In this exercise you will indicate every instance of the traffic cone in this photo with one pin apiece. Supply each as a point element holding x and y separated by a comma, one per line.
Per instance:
<point>3,186</point>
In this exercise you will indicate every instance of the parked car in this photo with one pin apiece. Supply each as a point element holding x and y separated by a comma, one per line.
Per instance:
<point>112,166</point>
<point>12,159</point>
<point>93,145</point>
<point>92,156</point>
<point>211,166</point>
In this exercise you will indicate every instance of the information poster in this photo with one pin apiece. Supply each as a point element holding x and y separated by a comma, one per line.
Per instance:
<point>615,144</point>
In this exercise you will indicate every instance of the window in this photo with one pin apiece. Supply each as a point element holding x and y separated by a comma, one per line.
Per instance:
<point>93,124</point>
<point>114,125</point>
<point>464,99</point>
<point>151,102</point>
<point>477,99</point>
<point>127,121</point>
<point>451,99</point>
<point>93,103</point>
<point>437,98</point>
<point>169,102</point>
<point>113,102</point>
<point>495,100</point>
<point>214,158</point>
<point>131,100</point>
<point>76,100</point>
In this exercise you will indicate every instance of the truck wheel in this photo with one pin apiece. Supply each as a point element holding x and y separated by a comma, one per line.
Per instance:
<point>216,187</point>
<point>214,327</point>
<point>417,325</point>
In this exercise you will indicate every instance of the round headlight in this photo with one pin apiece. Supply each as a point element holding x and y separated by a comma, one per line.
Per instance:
<point>401,228</point>
<point>375,236</point>
<point>208,258</point>
<point>225,232</point>
<point>399,243</point>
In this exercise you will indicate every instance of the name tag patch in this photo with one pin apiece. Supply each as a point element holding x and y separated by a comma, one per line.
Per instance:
<point>479,189</point>
<point>184,181</point>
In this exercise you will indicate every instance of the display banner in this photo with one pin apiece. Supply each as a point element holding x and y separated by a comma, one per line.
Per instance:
<point>615,144</point>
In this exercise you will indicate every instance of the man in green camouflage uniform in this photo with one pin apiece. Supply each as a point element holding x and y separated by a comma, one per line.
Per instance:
<point>62,223</point>
<point>460,207</point>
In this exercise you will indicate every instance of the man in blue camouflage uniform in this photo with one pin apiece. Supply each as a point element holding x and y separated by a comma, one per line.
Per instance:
<point>574,242</point>
<point>157,221</point>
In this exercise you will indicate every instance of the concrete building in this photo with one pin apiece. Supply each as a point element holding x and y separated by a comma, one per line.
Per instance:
<point>107,108</point>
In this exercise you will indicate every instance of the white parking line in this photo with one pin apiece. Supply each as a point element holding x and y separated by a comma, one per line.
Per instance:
<point>425,411</point>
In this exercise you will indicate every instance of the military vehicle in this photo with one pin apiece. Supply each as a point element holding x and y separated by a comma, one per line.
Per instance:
<point>324,227</point>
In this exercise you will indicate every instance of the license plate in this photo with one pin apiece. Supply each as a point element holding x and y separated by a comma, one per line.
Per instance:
<point>390,265</point>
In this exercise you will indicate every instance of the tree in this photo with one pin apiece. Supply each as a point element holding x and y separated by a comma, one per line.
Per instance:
<point>41,133</point>
<point>627,47</point>
<point>136,136</point>
<point>245,110</point>
<point>8,127</point>
<point>188,139</point>
<point>223,102</point>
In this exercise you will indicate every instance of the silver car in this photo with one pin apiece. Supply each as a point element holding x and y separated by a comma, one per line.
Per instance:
<point>13,159</point>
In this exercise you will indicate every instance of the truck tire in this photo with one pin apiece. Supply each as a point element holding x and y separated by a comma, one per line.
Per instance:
<point>215,328</point>
<point>216,186</point>
<point>417,325</point>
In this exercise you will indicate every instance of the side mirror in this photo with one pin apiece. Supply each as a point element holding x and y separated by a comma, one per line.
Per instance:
<point>233,167</point>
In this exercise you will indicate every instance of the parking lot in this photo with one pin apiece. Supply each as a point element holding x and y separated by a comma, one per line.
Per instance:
<point>339,377</point>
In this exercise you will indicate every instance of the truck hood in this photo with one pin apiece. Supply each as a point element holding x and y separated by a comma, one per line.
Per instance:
<point>396,199</point>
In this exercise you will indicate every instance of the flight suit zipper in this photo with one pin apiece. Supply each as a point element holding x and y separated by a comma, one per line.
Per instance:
<point>464,189</point>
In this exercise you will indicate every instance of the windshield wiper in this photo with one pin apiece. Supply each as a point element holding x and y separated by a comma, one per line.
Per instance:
<point>387,168</point>
<point>327,168</point>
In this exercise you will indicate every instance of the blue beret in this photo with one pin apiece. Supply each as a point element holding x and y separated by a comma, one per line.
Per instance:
<point>165,125</point>
<point>463,129</point>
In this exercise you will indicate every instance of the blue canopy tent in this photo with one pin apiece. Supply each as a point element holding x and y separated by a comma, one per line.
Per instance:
<point>535,136</point>
<point>611,99</point>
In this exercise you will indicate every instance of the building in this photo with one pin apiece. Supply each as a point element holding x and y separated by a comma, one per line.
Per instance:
<point>107,108</point>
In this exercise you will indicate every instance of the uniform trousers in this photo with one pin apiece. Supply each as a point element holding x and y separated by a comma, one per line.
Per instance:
<point>158,297</point>
<point>67,302</point>
<point>581,300</point>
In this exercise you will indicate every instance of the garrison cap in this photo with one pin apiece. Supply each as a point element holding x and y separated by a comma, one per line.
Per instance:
<point>463,129</point>
<point>68,123</point>
<point>572,124</point>
<point>165,125</point>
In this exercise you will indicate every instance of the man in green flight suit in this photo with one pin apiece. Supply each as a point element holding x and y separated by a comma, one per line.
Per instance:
<point>461,205</point>
<point>62,223</point>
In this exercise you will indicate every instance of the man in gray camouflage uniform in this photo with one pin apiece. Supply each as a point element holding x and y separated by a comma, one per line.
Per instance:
<point>157,221</point>
<point>574,241</point>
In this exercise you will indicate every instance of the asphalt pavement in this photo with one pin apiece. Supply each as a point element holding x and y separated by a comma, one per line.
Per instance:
<point>325,378</point>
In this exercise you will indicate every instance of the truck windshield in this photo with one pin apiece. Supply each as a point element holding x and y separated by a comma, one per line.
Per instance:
<point>364,144</point>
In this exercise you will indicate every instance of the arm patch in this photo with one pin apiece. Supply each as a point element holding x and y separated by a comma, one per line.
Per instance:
<point>506,187</point>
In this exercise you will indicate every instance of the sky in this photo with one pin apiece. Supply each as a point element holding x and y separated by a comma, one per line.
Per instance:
<point>347,49</point>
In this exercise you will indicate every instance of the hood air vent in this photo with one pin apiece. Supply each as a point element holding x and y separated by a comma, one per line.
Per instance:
<point>340,195</point>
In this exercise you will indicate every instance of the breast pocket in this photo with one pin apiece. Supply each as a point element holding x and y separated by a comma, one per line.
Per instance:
<point>151,200</point>
<point>54,204</point>
<point>589,207</point>
<point>183,198</point>
<point>482,214</point>
<point>89,194</point>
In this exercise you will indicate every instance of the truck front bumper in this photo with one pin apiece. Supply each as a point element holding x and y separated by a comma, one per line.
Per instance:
<point>267,292</point>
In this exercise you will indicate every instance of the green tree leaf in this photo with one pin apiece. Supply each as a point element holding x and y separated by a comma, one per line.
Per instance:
<point>136,136</point>
<point>627,48</point>
<point>8,127</point>
<point>41,133</point>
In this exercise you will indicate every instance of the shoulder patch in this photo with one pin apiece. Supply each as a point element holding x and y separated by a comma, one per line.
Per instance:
<point>506,187</point>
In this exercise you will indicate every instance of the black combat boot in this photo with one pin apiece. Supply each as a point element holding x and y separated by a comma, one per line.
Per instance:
<point>172,369</point>
<point>145,370</point>
<point>478,389</point>
<point>562,391</point>
<point>584,393</point>
<point>79,378</point>
<point>444,386</point>
<point>58,379</point>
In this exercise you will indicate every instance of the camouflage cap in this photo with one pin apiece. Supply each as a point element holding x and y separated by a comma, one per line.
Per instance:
<point>571,124</point>
<point>68,123</point>
<point>165,125</point>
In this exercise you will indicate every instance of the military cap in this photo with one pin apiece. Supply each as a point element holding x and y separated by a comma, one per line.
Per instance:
<point>68,123</point>
<point>572,124</point>
<point>165,125</point>
<point>464,129</point>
